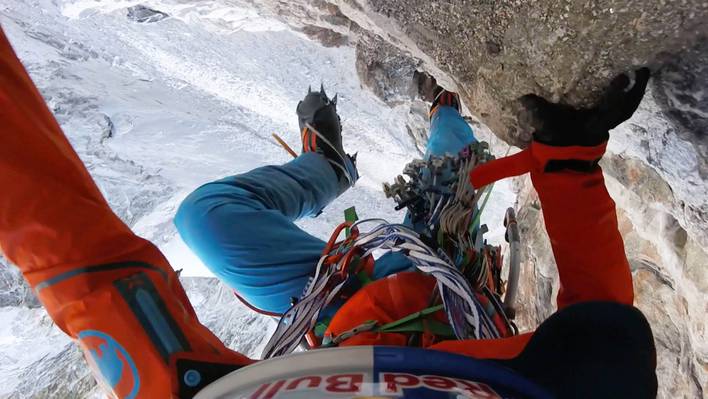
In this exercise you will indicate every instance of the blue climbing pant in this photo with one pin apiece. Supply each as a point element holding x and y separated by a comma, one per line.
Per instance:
<point>242,227</point>
<point>449,133</point>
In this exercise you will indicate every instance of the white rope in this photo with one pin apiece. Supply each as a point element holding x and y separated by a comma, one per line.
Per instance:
<point>452,208</point>
<point>458,298</point>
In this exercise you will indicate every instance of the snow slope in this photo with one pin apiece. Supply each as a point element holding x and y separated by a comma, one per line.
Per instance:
<point>184,105</point>
<point>155,110</point>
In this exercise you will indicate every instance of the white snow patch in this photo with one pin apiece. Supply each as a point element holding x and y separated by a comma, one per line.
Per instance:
<point>26,336</point>
<point>157,109</point>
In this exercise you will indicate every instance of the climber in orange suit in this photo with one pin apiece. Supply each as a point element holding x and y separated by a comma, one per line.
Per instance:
<point>117,296</point>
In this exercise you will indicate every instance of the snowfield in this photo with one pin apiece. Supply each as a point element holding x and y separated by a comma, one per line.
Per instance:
<point>156,109</point>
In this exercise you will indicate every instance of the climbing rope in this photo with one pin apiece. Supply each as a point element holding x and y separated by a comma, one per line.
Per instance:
<point>442,206</point>
<point>467,316</point>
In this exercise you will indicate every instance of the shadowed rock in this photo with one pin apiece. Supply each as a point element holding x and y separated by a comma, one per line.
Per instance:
<point>143,14</point>
<point>495,52</point>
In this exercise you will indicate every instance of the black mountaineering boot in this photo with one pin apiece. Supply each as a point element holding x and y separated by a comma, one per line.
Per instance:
<point>321,132</point>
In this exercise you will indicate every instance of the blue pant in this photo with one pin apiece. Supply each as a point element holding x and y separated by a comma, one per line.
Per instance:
<point>242,227</point>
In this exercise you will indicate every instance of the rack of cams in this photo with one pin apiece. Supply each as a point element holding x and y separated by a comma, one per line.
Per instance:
<point>445,209</point>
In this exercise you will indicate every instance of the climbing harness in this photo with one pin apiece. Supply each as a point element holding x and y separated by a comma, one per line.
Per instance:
<point>468,317</point>
<point>441,238</point>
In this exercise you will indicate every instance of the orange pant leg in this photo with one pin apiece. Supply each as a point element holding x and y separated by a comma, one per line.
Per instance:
<point>580,219</point>
<point>581,222</point>
<point>104,286</point>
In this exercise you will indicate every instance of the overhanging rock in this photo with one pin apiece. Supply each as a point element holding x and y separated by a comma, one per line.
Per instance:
<point>494,52</point>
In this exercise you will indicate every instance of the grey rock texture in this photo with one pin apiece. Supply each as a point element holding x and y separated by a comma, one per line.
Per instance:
<point>393,76</point>
<point>680,92</point>
<point>668,267</point>
<point>65,375</point>
<point>386,70</point>
<point>680,89</point>
<point>670,277</point>
<point>143,14</point>
<point>567,51</point>
<point>495,52</point>
<point>14,290</point>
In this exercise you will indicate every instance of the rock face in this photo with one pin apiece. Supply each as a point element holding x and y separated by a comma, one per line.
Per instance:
<point>663,244</point>
<point>657,164</point>
<point>142,14</point>
<point>14,290</point>
<point>668,267</point>
<point>492,53</point>
<point>495,52</point>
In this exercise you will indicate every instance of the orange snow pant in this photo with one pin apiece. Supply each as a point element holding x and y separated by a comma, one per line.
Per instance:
<point>109,289</point>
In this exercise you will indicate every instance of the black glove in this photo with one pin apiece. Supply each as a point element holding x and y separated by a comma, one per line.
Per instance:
<point>562,125</point>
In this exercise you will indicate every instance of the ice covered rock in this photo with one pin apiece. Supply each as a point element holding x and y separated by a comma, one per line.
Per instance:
<point>143,14</point>
<point>495,52</point>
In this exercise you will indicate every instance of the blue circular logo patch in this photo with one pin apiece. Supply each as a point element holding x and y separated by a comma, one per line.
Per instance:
<point>111,362</point>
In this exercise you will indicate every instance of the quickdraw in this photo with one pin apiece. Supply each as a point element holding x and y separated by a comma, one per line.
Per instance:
<point>442,206</point>
<point>467,315</point>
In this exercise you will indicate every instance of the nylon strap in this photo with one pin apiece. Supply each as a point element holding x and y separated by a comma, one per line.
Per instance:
<point>481,209</point>
<point>364,278</point>
<point>350,216</point>
<point>415,323</point>
<point>321,326</point>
